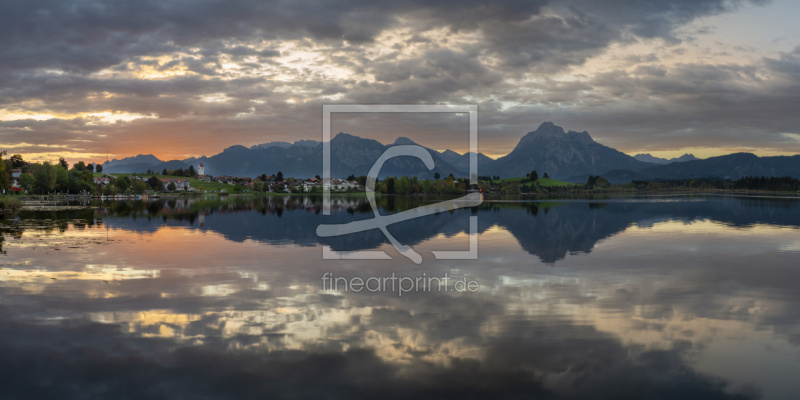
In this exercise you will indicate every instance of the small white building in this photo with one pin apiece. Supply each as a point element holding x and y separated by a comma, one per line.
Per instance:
<point>15,174</point>
<point>201,169</point>
<point>339,184</point>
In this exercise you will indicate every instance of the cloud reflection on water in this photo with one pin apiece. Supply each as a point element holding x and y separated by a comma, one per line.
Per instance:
<point>651,309</point>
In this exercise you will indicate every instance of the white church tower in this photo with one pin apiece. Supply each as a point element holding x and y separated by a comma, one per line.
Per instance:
<point>201,170</point>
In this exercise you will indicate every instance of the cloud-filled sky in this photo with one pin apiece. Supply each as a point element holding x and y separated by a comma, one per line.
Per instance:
<point>180,78</point>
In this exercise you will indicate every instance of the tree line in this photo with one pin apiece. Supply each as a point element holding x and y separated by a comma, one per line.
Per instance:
<point>189,172</point>
<point>412,185</point>
<point>47,178</point>
<point>43,178</point>
<point>765,183</point>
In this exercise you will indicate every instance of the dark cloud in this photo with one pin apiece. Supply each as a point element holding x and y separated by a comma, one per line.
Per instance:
<point>87,36</point>
<point>727,105</point>
<point>166,59</point>
<point>653,18</point>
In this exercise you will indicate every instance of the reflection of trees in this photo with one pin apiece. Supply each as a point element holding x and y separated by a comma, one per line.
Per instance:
<point>181,209</point>
<point>547,229</point>
<point>46,222</point>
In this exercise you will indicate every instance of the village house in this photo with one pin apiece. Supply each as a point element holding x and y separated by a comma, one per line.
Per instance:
<point>15,174</point>
<point>275,186</point>
<point>311,183</point>
<point>223,179</point>
<point>339,184</point>
<point>180,183</point>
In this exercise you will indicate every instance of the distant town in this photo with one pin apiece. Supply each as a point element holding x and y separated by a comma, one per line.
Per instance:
<point>18,176</point>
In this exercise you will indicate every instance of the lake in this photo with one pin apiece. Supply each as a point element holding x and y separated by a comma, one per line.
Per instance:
<point>657,297</point>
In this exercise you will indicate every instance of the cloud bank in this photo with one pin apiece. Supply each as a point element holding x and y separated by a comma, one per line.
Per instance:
<point>180,78</point>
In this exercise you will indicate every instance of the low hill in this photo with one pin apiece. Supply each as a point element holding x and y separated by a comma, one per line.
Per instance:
<point>657,160</point>
<point>731,166</point>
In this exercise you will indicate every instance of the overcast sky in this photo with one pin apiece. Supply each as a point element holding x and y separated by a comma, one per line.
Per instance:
<point>191,77</point>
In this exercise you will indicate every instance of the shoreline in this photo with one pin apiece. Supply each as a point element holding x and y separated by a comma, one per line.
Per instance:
<point>488,195</point>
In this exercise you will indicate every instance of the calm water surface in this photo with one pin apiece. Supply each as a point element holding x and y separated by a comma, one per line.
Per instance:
<point>685,297</point>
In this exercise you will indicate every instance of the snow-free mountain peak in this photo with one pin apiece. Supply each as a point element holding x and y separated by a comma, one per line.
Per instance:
<point>402,140</point>
<point>570,156</point>
<point>140,158</point>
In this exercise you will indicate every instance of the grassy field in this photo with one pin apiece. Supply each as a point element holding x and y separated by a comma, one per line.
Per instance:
<point>210,186</point>
<point>195,183</point>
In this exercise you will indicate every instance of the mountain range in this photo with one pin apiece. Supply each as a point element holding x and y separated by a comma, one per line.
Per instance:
<point>570,156</point>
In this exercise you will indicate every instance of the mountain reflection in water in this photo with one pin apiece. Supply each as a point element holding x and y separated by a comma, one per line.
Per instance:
<point>663,297</point>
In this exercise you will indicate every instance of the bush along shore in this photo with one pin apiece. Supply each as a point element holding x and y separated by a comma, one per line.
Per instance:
<point>9,204</point>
